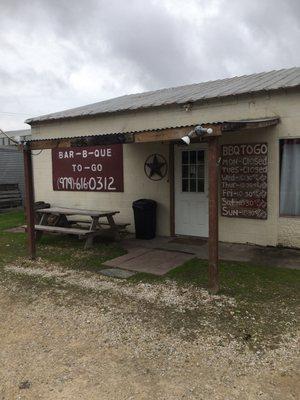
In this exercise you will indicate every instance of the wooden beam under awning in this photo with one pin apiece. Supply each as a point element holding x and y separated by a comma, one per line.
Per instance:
<point>82,141</point>
<point>170,134</point>
<point>232,126</point>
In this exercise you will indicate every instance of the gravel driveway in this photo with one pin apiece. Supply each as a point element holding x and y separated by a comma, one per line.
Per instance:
<point>74,335</point>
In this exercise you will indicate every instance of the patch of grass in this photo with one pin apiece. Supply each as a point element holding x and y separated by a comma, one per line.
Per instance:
<point>11,219</point>
<point>238,279</point>
<point>267,299</point>
<point>67,251</point>
<point>12,245</point>
<point>241,280</point>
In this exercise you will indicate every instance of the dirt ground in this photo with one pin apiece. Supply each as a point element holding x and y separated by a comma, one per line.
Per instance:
<point>74,335</point>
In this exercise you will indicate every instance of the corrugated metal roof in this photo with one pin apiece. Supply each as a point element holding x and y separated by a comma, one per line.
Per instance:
<point>18,132</point>
<point>265,81</point>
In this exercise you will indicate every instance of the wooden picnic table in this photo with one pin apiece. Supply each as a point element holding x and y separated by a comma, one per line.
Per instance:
<point>88,228</point>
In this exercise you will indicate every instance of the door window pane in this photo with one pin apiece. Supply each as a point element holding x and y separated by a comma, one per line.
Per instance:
<point>200,156</point>
<point>200,185</point>
<point>185,157</point>
<point>193,157</point>
<point>200,171</point>
<point>185,171</point>
<point>193,172</point>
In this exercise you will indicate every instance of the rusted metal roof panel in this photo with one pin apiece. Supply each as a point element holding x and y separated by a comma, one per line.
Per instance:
<point>265,81</point>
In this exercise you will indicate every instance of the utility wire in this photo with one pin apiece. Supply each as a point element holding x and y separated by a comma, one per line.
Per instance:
<point>10,138</point>
<point>16,142</point>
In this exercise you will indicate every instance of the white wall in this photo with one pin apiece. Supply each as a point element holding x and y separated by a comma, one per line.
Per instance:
<point>136,185</point>
<point>275,230</point>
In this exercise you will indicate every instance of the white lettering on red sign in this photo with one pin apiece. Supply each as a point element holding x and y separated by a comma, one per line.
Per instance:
<point>94,168</point>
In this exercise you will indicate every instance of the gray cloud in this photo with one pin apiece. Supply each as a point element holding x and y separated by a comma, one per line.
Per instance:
<point>57,54</point>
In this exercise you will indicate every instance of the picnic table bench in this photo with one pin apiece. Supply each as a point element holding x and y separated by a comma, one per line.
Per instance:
<point>65,223</point>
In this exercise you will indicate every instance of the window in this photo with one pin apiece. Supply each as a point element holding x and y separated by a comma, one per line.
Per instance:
<point>290,177</point>
<point>192,174</point>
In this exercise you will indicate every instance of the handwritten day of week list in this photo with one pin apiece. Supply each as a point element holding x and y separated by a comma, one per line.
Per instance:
<point>244,180</point>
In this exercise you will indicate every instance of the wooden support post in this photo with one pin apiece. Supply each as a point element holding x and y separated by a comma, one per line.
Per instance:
<point>172,189</point>
<point>213,257</point>
<point>29,201</point>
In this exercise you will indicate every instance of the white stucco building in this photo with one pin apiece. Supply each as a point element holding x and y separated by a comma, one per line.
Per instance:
<point>259,109</point>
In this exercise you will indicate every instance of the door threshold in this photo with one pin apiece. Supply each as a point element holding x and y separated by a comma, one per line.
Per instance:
<point>190,240</point>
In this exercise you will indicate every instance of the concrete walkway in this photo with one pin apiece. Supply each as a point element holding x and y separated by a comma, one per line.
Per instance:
<point>148,259</point>
<point>259,255</point>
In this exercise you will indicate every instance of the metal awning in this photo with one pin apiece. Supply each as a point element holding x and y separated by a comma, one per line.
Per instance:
<point>249,124</point>
<point>147,136</point>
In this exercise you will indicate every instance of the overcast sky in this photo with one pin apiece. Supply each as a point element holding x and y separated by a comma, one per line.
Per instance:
<point>59,54</point>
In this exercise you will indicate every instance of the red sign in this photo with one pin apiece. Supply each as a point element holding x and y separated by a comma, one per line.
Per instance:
<point>88,169</point>
<point>244,180</point>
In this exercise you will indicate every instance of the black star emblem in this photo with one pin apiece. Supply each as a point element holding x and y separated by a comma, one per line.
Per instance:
<point>156,166</point>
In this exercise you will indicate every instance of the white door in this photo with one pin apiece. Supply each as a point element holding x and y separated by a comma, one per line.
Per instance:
<point>191,191</point>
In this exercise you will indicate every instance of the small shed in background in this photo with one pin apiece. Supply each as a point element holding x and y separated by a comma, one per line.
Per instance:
<point>11,169</point>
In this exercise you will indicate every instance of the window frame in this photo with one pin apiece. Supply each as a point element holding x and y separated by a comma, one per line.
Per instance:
<point>280,150</point>
<point>204,179</point>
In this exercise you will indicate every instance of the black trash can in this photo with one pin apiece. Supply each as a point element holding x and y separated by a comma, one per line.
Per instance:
<point>144,218</point>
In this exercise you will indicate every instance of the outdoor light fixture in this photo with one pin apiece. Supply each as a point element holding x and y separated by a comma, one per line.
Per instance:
<point>199,131</point>
<point>186,139</point>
